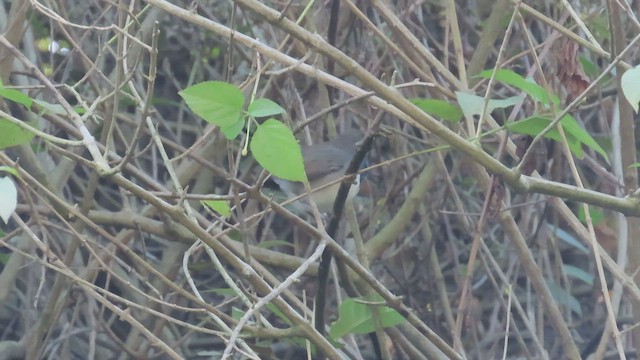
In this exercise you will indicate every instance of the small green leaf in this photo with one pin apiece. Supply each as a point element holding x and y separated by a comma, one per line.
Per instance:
<point>216,102</point>
<point>439,108</point>
<point>597,216</point>
<point>224,291</point>
<point>577,273</point>
<point>356,318</point>
<point>215,52</point>
<point>10,170</point>
<point>12,135</point>
<point>264,107</point>
<point>43,44</point>
<point>274,309</point>
<point>274,243</point>
<point>4,258</point>
<point>15,96</point>
<point>219,206</point>
<point>237,313</point>
<point>589,67</point>
<point>472,104</point>
<point>630,84</point>
<point>8,198</point>
<point>276,149</point>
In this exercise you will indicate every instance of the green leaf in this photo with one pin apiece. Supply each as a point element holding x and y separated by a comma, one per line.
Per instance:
<point>4,258</point>
<point>509,77</point>
<point>12,135</point>
<point>237,313</point>
<point>8,198</point>
<point>534,126</point>
<point>597,216</point>
<point>274,309</point>
<point>224,291</point>
<point>571,127</point>
<point>577,273</point>
<point>263,108</point>
<point>219,206</point>
<point>215,52</point>
<point>576,135</point>
<point>356,318</point>
<point>232,131</point>
<point>630,83</point>
<point>274,243</point>
<point>590,69</point>
<point>276,149</point>
<point>439,108</point>
<point>216,102</point>
<point>10,170</point>
<point>15,96</point>
<point>472,104</point>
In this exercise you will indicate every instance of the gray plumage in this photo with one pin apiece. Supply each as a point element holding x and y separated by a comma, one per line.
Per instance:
<point>326,163</point>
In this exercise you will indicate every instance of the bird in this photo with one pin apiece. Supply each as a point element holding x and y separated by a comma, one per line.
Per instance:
<point>325,163</point>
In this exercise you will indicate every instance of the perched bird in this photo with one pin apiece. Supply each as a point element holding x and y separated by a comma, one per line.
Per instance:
<point>326,163</point>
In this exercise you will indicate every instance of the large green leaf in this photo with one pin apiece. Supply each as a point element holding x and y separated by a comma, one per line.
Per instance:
<point>576,135</point>
<point>571,126</point>
<point>355,317</point>
<point>276,149</point>
<point>537,92</point>
<point>216,102</point>
<point>439,108</point>
<point>15,96</point>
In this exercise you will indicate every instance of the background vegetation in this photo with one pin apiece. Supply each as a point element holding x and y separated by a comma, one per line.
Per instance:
<point>499,217</point>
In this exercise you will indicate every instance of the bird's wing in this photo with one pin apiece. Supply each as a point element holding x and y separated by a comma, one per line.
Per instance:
<point>334,161</point>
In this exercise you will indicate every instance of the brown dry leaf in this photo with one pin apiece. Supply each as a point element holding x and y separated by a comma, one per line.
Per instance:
<point>495,202</point>
<point>473,313</point>
<point>522,144</point>
<point>569,70</point>
<point>607,238</point>
<point>535,162</point>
